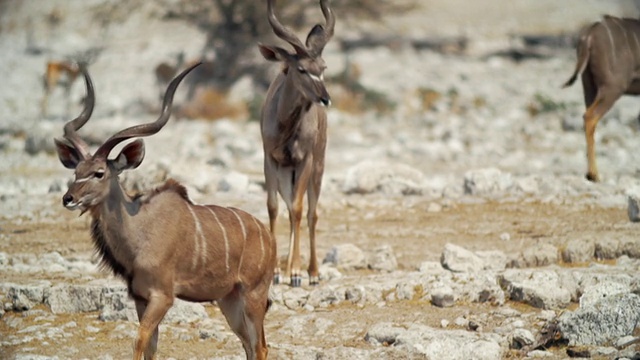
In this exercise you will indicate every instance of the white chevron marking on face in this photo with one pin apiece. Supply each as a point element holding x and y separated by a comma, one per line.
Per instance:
<point>317,78</point>
<point>84,179</point>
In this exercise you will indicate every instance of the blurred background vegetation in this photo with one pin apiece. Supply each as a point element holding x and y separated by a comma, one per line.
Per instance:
<point>234,27</point>
<point>156,39</point>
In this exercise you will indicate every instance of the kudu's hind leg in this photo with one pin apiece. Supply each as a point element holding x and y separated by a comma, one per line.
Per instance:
<point>313,194</point>
<point>272,206</point>
<point>245,314</point>
<point>598,108</point>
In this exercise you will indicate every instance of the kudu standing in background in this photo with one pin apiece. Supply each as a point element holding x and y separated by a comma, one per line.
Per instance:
<point>163,245</point>
<point>609,61</point>
<point>294,133</point>
<point>63,73</point>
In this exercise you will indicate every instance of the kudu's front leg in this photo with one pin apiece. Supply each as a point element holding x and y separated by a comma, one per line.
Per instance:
<point>150,351</point>
<point>301,177</point>
<point>271,185</point>
<point>153,311</point>
<point>293,260</point>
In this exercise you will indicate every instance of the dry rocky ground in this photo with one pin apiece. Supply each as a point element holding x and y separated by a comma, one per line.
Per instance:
<point>456,226</point>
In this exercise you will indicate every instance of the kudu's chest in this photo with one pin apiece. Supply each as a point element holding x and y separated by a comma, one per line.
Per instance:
<point>112,250</point>
<point>290,140</point>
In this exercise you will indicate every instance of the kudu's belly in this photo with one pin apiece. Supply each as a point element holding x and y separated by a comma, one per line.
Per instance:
<point>202,290</point>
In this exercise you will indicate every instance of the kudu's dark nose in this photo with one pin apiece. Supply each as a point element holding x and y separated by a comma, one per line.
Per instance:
<point>66,199</point>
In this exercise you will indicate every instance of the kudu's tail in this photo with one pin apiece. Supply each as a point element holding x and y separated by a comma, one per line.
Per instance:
<point>583,55</point>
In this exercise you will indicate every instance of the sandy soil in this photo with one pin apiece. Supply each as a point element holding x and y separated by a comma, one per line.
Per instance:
<point>415,234</point>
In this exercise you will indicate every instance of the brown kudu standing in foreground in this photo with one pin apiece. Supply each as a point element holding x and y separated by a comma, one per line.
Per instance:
<point>294,133</point>
<point>162,244</point>
<point>609,61</point>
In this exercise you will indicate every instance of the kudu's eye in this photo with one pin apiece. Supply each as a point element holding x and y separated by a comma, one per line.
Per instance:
<point>302,70</point>
<point>99,174</point>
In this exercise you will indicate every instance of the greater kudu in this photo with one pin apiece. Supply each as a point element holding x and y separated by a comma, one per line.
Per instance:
<point>609,61</point>
<point>294,133</point>
<point>162,244</point>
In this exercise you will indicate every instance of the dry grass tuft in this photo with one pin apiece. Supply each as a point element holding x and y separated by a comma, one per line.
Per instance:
<point>429,98</point>
<point>349,95</point>
<point>212,104</point>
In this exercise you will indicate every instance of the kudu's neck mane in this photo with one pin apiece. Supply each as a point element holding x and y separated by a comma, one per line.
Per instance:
<point>120,200</point>
<point>104,230</point>
<point>170,185</point>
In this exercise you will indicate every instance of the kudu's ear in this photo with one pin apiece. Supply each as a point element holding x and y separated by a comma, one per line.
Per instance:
<point>315,40</point>
<point>274,53</point>
<point>69,155</point>
<point>130,157</point>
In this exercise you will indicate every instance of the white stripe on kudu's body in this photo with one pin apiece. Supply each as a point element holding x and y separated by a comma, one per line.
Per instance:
<point>612,41</point>
<point>199,239</point>
<point>146,239</point>
<point>203,241</point>
<point>244,230</point>
<point>624,32</point>
<point>224,238</point>
<point>261,239</point>
<point>244,235</point>
<point>608,72</point>
<point>635,53</point>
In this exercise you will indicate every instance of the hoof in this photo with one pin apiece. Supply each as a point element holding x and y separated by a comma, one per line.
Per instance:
<point>277,279</point>
<point>296,281</point>
<point>593,177</point>
<point>314,281</point>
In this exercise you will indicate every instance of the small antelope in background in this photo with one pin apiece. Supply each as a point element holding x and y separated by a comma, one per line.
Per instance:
<point>609,61</point>
<point>294,133</point>
<point>165,71</point>
<point>63,73</point>
<point>162,244</point>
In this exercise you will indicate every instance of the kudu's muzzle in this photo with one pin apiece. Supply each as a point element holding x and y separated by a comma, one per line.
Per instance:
<point>324,97</point>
